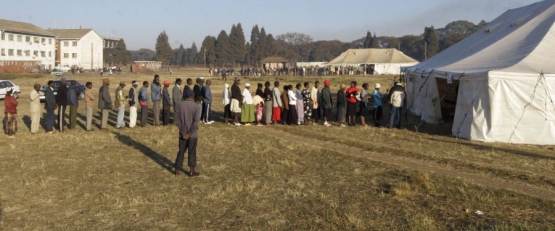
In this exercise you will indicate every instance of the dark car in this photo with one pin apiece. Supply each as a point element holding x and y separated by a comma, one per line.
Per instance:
<point>79,88</point>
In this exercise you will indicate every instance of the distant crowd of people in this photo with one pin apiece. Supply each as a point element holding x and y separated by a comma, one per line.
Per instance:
<point>292,71</point>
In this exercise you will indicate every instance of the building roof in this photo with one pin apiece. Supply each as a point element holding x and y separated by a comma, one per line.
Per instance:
<point>274,59</point>
<point>70,33</point>
<point>110,38</point>
<point>23,28</point>
<point>371,56</point>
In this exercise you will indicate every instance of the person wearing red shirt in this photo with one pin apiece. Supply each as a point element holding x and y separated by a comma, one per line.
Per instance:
<point>10,119</point>
<point>351,94</point>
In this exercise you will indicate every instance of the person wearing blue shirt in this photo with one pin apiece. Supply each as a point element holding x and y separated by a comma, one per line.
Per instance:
<point>156,94</point>
<point>207,102</point>
<point>378,111</point>
<point>143,101</point>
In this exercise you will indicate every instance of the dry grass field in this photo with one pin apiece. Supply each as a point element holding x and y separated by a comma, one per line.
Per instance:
<point>268,178</point>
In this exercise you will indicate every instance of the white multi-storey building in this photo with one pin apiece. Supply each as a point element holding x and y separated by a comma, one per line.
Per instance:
<point>25,47</point>
<point>81,48</point>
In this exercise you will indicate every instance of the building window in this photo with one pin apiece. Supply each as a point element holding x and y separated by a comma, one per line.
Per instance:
<point>50,54</point>
<point>50,41</point>
<point>35,53</point>
<point>3,36</point>
<point>74,55</point>
<point>3,52</point>
<point>66,55</point>
<point>43,54</point>
<point>43,40</point>
<point>10,52</point>
<point>66,44</point>
<point>10,37</point>
<point>27,39</point>
<point>36,39</point>
<point>19,38</point>
<point>27,53</point>
<point>19,53</point>
<point>74,43</point>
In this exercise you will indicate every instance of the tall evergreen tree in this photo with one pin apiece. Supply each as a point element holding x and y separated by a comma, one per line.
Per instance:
<point>375,42</point>
<point>179,55</point>
<point>431,41</point>
<point>237,44</point>
<point>254,53</point>
<point>164,51</point>
<point>208,50</point>
<point>270,48</point>
<point>368,40</point>
<point>262,44</point>
<point>124,54</point>
<point>223,51</point>
<point>193,55</point>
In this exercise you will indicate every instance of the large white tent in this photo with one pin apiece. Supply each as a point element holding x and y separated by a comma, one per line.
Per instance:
<point>385,60</point>
<point>502,79</point>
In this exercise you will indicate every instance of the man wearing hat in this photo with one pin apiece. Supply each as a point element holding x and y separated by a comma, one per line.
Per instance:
<point>104,103</point>
<point>120,105</point>
<point>133,101</point>
<point>166,103</point>
<point>396,99</point>
<point>61,101</point>
<point>378,110</point>
<point>187,120</point>
<point>177,96</point>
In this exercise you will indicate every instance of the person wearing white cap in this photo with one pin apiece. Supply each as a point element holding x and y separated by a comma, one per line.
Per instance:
<point>10,113</point>
<point>133,99</point>
<point>247,110</point>
<point>378,110</point>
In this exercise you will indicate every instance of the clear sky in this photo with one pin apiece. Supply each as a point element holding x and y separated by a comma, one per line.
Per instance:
<point>139,22</point>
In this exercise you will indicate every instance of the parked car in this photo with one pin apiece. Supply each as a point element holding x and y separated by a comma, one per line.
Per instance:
<point>57,72</point>
<point>79,88</point>
<point>7,84</point>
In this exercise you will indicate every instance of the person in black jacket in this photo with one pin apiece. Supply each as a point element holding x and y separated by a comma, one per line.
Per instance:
<point>61,101</point>
<point>197,89</point>
<point>50,106</point>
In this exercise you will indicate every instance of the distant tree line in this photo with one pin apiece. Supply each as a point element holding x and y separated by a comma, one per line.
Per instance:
<point>233,50</point>
<point>118,55</point>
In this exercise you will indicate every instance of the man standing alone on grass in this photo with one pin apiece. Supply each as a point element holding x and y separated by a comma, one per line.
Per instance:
<point>188,121</point>
<point>35,108</point>
<point>177,96</point>
<point>133,101</point>
<point>167,103</point>
<point>50,106</point>
<point>105,104</point>
<point>61,101</point>
<point>10,119</point>
<point>89,102</point>
<point>207,102</point>
<point>396,98</point>
<point>156,94</point>
<point>73,104</point>
<point>120,105</point>
<point>143,101</point>
<point>236,98</point>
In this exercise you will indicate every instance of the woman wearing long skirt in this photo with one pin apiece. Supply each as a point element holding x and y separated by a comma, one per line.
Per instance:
<point>247,110</point>
<point>300,104</point>
<point>10,119</point>
<point>285,100</point>
<point>292,105</point>
<point>307,105</point>
<point>268,107</point>
<point>341,105</point>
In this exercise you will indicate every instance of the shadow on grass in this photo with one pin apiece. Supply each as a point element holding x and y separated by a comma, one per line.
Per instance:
<point>159,159</point>
<point>27,121</point>
<point>489,148</point>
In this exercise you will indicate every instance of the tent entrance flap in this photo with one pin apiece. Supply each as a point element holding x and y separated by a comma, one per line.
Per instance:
<point>448,95</point>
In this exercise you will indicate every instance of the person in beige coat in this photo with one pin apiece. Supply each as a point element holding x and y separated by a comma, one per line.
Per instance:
<point>35,108</point>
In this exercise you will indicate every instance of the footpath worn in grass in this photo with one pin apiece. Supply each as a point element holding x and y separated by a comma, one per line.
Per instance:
<point>252,180</point>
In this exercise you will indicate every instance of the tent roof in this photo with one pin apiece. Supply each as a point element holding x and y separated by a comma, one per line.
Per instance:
<point>371,56</point>
<point>23,28</point>
<point>274,59</point>
<point>70,33</point>
<point>519,41</point>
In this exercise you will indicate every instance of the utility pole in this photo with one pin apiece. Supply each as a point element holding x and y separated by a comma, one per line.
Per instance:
<point>204,57</point>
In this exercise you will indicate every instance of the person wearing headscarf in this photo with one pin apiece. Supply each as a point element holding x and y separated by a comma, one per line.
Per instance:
<point>120,102</point>
<point>156,96</point>
<point>35,108</point>
<point>236,99</point>
<point>306,104</point>
<point>377,102</point>
<point>10,113</point>
<point>61,101</point>
<point>300,104</point>
<point>247,110</point>
<point>327,102</point>
<point>226,100</point>
<point>166,103</point>
<point>341,105</point>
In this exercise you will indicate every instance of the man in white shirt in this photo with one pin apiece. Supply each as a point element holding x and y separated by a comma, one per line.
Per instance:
<point>35,108</point>
<point>314,102</point>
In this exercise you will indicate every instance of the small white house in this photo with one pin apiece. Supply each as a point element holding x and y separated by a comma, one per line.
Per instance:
<point>82,48</point>
<point>25,47</point>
